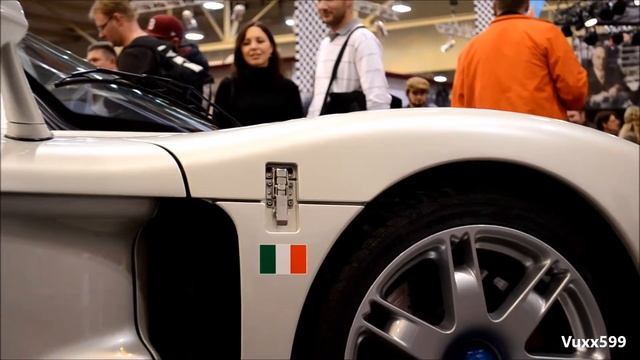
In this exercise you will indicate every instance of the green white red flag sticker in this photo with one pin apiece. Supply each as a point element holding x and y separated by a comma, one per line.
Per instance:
<point>283,259</point>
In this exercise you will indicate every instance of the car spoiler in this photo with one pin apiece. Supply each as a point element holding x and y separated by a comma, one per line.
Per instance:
<point>24,120</point>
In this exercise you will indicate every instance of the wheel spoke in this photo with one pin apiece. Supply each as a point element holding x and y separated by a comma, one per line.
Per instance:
<point>469,304</point>
<point>408,333</point>
<point>524,308</point>
<point>462,282</point>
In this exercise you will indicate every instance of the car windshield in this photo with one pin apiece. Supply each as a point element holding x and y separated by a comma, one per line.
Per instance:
<point>48,64</point>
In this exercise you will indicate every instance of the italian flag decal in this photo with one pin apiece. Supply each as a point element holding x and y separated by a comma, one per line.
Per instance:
<point>283,259</point>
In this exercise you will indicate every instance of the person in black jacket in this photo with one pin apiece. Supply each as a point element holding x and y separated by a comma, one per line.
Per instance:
<point>117,22</point>
<point>169,28</point>
<point>257,92</point>
<point>142,53</point>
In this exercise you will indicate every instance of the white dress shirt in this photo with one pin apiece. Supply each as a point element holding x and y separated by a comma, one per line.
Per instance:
<point>361,68</point>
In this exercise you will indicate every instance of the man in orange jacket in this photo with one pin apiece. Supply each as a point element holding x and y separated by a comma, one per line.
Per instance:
<point>522,64</point>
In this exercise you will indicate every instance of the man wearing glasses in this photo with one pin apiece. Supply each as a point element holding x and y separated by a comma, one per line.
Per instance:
<point>117,22</point>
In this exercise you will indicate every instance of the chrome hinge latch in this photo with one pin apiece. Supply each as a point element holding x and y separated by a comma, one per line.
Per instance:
<point>280,181</point>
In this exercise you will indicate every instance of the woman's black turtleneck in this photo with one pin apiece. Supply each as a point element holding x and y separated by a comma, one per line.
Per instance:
<point>259,96</point>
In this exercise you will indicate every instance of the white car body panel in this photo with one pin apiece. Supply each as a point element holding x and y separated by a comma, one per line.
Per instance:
<point>351,158</point>
<point>343,162</point>
<point>14,24</point>
<point>67,285</point>
<point>108,134</point>
<point>271,304</point>
<point>93,166</point>
<point>3,118</point>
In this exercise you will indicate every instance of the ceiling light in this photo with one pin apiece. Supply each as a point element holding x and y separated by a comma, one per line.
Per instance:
<point>591,22</point>
<point>448,45</point>
<point>238,12</point>
<point>636,2</point>
<point>213,5</point>
<point>440,78</point>
<point>193,33</point>
<point>401,8</point>
<point>380,29</point>
<point>189,21</point>
<point>194,36</point>
<point>290,21</point>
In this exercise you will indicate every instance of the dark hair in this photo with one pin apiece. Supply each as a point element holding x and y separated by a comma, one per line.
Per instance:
<point>240,66</point>
<point>104,46</point>
<point>602,117</point>
<point>511,5</point>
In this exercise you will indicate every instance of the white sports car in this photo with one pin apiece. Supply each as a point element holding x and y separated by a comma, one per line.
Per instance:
<point>430,234</point>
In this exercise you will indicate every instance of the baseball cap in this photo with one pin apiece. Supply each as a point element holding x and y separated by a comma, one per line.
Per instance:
<point>165,26</point>
<point>417,82</point>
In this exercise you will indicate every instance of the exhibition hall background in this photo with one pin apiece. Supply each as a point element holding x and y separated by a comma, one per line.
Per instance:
<point>424,41</point>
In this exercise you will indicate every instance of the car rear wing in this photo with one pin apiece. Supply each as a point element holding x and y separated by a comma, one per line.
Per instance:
<point>20,111</point>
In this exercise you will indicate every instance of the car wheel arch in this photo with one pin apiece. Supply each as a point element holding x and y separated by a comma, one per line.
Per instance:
<point>452,177</point>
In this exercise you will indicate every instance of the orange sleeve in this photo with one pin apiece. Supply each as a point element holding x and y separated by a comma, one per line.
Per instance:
<point>569,77</point>
<point>457,91</point>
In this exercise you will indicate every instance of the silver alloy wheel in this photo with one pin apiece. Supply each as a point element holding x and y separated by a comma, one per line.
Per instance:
<point>468,325</point>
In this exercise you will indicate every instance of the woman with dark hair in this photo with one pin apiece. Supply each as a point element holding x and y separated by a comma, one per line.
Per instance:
<point>608,122</point>
<point>257,92</point>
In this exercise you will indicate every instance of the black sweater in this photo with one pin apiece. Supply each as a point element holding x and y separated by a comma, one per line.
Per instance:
<point>139,58</point>
<point>259,97</point>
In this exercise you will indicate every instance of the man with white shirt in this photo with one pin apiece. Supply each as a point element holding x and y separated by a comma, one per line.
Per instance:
<point>361,66</point>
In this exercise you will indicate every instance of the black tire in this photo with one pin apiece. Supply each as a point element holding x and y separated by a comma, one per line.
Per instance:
<point>586,243</point>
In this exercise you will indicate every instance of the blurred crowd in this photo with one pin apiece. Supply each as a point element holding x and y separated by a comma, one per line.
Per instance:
<point>350,76</point>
